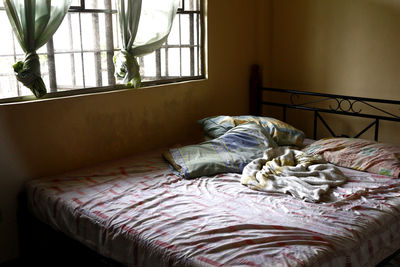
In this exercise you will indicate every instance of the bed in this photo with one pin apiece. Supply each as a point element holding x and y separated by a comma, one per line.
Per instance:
<point>138,212</point>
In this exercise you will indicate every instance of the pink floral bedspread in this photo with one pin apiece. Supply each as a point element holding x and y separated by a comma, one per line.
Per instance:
<point>138,212</point>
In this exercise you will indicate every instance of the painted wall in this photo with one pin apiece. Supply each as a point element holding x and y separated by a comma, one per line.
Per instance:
<point>47,137</point>
<point>340,47</point>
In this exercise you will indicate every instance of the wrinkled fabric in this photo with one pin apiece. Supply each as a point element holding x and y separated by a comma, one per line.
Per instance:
<point>282,133</point>
<point>34,23</point>
<point>139,213</point>
<point>287,170</point>
<point>145,26</point>
<point>28,73</point>
<point>359,154</point>
<point>230,152</point>
<point>127,69</point>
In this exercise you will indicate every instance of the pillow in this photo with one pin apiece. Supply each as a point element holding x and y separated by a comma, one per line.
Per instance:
<point>230,152</point>
<point>282,133</point>
<point>359,154</point>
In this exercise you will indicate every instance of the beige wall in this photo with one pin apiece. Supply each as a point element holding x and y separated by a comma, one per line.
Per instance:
<point>337,46</point>
<point>47,137</point>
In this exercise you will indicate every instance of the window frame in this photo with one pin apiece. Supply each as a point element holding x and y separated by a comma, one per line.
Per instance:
<point>118,87</point>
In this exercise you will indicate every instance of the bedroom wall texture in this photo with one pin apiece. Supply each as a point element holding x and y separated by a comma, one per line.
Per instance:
<point>339,47</point>
<point>344,47</point>
<point>48,137</point>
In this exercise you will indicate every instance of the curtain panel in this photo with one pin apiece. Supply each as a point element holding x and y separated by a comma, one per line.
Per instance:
<point>34,22</point>
<point>145,26</point>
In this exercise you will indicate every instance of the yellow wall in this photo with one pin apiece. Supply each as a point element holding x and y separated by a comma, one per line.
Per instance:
<point>340,47</point>
<point>46,137</point>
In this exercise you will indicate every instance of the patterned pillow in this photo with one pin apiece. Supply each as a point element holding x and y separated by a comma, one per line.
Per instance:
<point>230,152</point>
<point>359,154</point>
<point>281,132</point>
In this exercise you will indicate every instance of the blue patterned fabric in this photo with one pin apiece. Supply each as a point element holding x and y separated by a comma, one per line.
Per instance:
<point>230,152</point>
<point>281,132</point>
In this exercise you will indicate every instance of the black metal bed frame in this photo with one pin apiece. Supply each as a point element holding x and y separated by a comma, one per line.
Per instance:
<point>42,245</point>
<point>342,105</point>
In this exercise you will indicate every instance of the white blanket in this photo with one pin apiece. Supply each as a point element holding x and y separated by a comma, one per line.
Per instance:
<point>287,170</point>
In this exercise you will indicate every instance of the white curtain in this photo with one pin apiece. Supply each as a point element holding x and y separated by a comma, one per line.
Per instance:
<point>34,22</point>
<point>145,26</point>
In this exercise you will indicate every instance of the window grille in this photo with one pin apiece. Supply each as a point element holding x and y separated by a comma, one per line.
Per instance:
<point>80,54</point>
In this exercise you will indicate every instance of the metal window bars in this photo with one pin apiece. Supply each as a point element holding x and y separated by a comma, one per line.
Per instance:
<point>83,57</point>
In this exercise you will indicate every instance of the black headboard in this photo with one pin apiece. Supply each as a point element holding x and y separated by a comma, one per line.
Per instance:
<point>376,110</point>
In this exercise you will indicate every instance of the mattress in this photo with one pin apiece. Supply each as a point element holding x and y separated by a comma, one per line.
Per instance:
<point>138,212</point>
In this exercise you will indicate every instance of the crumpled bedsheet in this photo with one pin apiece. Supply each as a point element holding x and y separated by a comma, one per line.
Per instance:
<point>288,170</point>
<point>138,212</point>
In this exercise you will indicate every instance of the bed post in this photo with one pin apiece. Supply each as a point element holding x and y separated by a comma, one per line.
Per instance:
<point>255,90</point>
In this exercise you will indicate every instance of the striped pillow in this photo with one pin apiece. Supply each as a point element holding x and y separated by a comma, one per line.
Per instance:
<point>281,132</point>
<point>359,154</point>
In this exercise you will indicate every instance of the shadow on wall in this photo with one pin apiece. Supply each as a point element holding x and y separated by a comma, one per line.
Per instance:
<point>11,160</point>
<point>345,47</point>
<point>338,47</point>
<point>13,174</point>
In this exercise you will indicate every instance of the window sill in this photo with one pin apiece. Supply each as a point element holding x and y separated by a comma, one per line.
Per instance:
<point>95,90</point>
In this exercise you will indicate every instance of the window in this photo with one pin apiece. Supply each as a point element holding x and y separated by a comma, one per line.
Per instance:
<point>80,54</point>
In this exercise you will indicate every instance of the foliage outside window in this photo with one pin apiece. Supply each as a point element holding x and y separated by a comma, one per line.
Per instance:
<point>80,54</point>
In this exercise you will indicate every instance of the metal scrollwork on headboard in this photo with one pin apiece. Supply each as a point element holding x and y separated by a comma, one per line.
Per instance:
<point>337,104</point>
<point>321,103</point>
<point>342,103</point>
